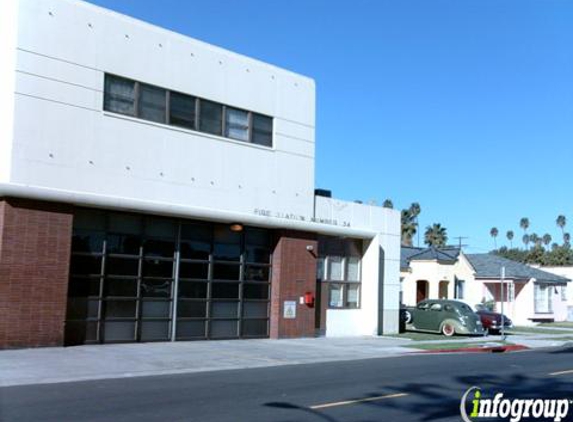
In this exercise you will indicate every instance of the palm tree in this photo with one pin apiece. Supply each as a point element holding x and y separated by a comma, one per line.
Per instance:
<point>415,211</point>
<point>566,239</point>
<point>535,239</point>
<point>526,240</point>
<point>510,235</point>
<point>546,239</point>
<point>493,233</point>
<point>436,235</point>
<point>524,224</point>
<point>561,222</point>
<point>408,228</point>
<point>388,204</point>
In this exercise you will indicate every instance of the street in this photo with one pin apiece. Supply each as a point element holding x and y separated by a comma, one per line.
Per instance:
<point>419,387</point>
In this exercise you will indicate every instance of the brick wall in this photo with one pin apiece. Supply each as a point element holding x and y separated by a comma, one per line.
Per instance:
<point>35,243</point>
<point>293,274</point>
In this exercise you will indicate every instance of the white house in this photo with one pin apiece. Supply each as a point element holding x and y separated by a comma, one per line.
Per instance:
<point>530,295</point>
<point>154,187</point>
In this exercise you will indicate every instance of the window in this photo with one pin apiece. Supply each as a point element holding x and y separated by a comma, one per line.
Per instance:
<point>210,117</point>
<point>237,124</point>
<point>262,133</point>
<point>564,293</point>
<point>460,286</point>
<point>543,299</point>
<point>152,103</point>
<point>182,110</point>
<point>119,95</point>
<point>339,270</point>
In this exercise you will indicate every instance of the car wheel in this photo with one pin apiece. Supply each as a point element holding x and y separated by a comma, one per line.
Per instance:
<point>408,316</point>
<point>448,329</point>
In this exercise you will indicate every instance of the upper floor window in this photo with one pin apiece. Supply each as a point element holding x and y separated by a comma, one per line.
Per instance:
<point>237,124</point>
<point>119,95</point>
<point>152,103</point>
<point>210,117</point>
<point>182,110</point>
<point>148,102</point>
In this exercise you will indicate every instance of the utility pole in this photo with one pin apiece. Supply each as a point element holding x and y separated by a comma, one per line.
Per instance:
<point>502,300</point>
<point>460,238</point>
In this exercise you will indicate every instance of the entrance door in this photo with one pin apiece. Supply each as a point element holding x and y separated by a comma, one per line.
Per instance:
<point>421,290</point>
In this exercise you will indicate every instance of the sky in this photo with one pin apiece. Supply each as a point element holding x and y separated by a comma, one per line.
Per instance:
<point>463,106</point>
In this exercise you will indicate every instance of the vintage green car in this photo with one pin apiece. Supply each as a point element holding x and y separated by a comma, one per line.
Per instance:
<point>448,317</point>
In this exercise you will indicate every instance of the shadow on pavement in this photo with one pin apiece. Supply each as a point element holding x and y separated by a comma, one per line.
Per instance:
<point>432,401</point>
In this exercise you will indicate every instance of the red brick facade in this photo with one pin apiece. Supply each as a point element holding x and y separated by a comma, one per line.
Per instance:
<point>35,243</point>
<point>293,274</point>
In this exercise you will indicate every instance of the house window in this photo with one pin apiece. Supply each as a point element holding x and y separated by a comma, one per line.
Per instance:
<point>152,103</point>
<point>511,292</point>
<point>237,124</point>
<point>210,117</point>
<point>262,133</point>
<point>543,299</point>
<point>182,110</point>
<point>564,293</point>
<point>119,95</point>
<point>460,286</point>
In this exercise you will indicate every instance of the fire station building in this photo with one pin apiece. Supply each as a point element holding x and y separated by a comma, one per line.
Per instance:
<point>157,188</point>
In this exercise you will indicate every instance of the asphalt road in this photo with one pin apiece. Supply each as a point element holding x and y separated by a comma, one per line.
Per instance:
<point>409,388</point>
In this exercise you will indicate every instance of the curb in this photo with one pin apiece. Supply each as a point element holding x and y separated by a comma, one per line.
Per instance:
<point>489,349</point>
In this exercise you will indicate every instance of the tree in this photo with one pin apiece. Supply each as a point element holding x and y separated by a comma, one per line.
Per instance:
<point>561,222</point>
<point>535,239</point>
<point>388,204</point>
<point>408,228</point>
<point>526,240</point>
<point>546,239</point>
<point>566,239</point>
<point>510,235</point>
<point>524,224</point>
<point>493,233</point>
<point>436,235</point>
<point>415,211</point>
<point>410,223</point>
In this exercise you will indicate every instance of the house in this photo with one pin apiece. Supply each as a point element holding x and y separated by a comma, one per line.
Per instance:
<point>154,187</point>
<point>567,272</point>
<point>529,294</point>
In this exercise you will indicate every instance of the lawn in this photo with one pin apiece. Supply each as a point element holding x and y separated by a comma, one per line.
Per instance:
<point>535,330</point>
<point>564,324</point>
<point>418,336</point>
<point>452,346</point>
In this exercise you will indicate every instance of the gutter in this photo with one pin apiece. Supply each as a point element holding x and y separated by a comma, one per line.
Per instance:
<point>174,210</point>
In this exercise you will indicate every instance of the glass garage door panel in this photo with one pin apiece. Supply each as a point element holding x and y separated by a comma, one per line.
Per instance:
<point>128,271</point>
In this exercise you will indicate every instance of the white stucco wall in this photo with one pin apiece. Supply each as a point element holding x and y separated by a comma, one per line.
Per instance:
<point>380,265</point>
<point>63,139</point>
<point>8,36</point>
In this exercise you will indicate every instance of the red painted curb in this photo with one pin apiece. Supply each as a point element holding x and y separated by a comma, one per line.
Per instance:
<point>490,349</point>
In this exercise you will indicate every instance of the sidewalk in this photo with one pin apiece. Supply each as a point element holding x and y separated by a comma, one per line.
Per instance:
<point>58,364</point>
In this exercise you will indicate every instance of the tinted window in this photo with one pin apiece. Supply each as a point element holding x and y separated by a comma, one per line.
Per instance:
<point>119,95</point>
<point>152,103</point>
<point>182,110</point>
<point>237,124</point>
<point>262,130</point>
<point>211,117</point>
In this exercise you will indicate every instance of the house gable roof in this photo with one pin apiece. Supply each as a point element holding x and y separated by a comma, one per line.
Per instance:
<point>487,265</point>
<point>409,254</point>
